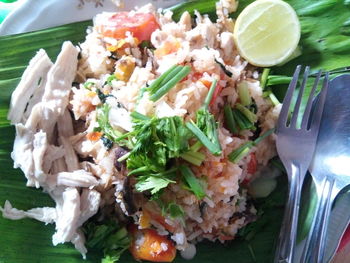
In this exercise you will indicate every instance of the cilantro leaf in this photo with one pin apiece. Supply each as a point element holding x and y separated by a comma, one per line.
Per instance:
<point>154,183</point>
<point>156,141</point>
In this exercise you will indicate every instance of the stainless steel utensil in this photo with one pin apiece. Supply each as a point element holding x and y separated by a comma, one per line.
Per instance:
<point>330,168</point>
<point>295,147</point>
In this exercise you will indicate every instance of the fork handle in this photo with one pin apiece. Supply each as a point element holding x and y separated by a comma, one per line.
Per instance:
<point>288,232</point>
<point>315,244</point>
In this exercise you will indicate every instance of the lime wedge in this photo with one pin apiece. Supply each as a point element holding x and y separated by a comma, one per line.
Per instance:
<point>267,32</point>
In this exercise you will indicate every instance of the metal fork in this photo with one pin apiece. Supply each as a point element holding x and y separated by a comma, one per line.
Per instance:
<point>295,147</point>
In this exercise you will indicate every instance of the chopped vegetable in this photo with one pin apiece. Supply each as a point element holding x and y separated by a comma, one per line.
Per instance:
<point>195,158</point>
<point>253,164</point>
<point>110,79</point>
<point>107,237</point>
<point>247,113</point>
<point>244,149</point>
<point>192,182</point>
<point>124,68</point>
<point>243,93</point>
<point>102,96</point>
<point>229,120</point>
<point>167,47</point>
<point>167,81</point>
<point>205,128</point>
<point>263,79</point>
<point>242,121</point>
<point>174,210</point>
<point>94,136</point>
<point>103,122</point>
<point>147,244</point>
<point>141,25</point>
<point>88,85</point>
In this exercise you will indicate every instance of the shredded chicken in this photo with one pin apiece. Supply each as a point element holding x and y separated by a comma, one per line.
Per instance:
<point>35,72</point>
<point>44,214</point>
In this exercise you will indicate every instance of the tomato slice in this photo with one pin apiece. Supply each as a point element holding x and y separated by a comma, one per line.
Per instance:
<point>252,165</point>
<point>140,25</point>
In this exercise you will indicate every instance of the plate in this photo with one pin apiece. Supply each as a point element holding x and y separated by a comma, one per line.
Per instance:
<point>34,15</point>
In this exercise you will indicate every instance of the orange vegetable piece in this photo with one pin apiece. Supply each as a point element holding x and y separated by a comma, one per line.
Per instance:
<point>147,244</point>
<point>94,136</point>
<point>140,25</point>
<point>167,48</point>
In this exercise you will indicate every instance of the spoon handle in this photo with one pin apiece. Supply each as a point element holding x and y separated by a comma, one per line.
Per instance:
<point>314,249</point>
<point>288,232</point>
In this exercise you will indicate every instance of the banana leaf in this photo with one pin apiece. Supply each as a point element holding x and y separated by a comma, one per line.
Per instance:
<point>325,36</point>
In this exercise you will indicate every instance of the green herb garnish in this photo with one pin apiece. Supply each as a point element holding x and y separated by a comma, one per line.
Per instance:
<point>244,149</point>
<point>205,128</point>
<point>192,182</point>
<point>155,182</point>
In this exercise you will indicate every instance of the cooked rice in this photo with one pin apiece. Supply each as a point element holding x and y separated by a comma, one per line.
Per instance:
<point>226,208</point>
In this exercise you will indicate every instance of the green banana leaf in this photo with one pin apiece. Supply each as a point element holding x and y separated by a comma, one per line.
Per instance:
<point>325,36</point>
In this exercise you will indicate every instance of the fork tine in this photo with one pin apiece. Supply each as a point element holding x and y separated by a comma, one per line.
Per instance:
<point>310,101</point>
<point>294,119</point>
<point>317,114</point>
<point>282,120</point>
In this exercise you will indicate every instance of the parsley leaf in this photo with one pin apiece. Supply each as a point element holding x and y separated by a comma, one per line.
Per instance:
<point>153,182</point>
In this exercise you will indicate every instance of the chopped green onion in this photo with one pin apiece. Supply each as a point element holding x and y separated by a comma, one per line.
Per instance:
<point>244,149</point>
<point>249,115</point>
<point>240,152</point>
<point>210,94</point>
<point>170,84</point>
<point>230,121</point>
<point>264,135</point>
<point>139,116</point>
<point>87,85</point>
<point>195,147</point>
<point>278,80</point>
<point>243,122</point>
<point>171,75</point>
<point>124,157</point>
<point>192,181</point>
<point>243,93</point>
<point>214,149</point>
<point>273,99</point>
<point>155,84</point>
<point>263,79</point>
<point>110,79</point>
<point>195,158</point>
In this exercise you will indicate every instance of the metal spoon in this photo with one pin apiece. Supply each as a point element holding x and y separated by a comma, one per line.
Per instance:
<point>331,165</point>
